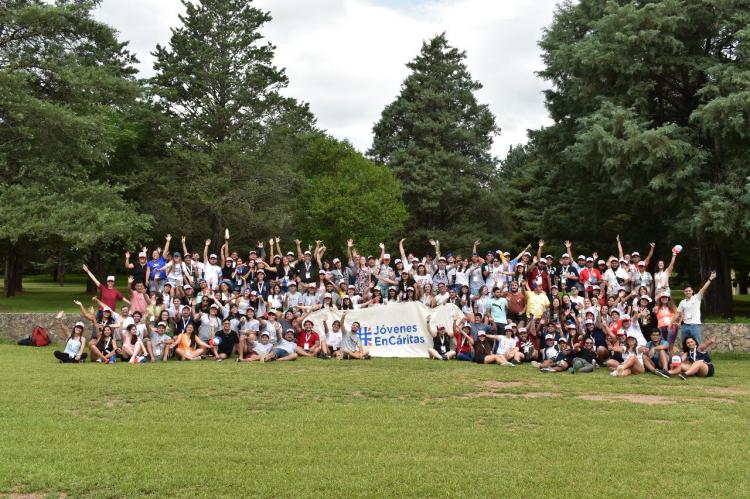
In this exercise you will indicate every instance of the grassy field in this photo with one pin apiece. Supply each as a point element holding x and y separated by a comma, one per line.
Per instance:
<point>42,295</point>
<point>382,428</point>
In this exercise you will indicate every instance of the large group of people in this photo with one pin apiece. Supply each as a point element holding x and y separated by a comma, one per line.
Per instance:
<point>561,314</point>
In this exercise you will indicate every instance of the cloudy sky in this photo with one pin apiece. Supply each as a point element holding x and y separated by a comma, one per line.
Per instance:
<point>347,57</point>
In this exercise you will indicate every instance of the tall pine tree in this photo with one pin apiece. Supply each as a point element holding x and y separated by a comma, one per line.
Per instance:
<point>436,138</point>
<point>233,136</point>
<point>651,114</point>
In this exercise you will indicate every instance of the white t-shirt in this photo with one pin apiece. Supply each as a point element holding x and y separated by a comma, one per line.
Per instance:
<point>212,274</point>
<point>441,299</point>
<point>334,339</point>
<point>505,345</point>
<point>691,309</point>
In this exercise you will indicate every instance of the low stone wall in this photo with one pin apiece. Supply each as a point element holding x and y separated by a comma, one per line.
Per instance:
<point>729,337</point>
<point>17,326</point>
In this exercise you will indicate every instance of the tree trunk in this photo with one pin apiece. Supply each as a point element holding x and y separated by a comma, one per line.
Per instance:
<point>13,275</point>
<point>718,298</point>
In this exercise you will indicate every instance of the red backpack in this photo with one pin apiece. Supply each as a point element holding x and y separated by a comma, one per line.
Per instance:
<point>39,337</point>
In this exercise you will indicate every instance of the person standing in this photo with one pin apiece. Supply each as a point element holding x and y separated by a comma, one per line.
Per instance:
<point>690,308</point>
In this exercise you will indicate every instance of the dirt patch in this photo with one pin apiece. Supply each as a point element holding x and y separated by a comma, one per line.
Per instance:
<point>114,403</point>
<point>501,384</point>
<point>712,399</point>
<point>725,390</point>
<point>659,421</point>
<point>540,395</point>
<point>634,398</point>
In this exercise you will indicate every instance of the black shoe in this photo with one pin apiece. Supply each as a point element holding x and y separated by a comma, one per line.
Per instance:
<point>661,373</point>
<point>682,377</point>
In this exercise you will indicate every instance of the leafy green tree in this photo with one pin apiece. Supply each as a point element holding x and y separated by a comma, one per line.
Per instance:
<point>650,104</point>
<point>436,138</point>
<point>232,135</point>
<point>346,196</point>
<point>65,80</point>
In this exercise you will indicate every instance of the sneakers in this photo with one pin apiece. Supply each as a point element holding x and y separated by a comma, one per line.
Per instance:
<point>547,370</point>
<point>536,364</point>
<point>682,377</point>
<point>572,370</point>
<point>661,373</point>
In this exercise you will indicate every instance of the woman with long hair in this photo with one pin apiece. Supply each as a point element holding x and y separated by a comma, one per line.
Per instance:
<point>695,360</point>
<point>665,312</point>
<point>106,347</point>
<point>632,359</point>
<point>482,301</point>
<point>188,346</point>
<point>75,345</point>
<point>661,277</point>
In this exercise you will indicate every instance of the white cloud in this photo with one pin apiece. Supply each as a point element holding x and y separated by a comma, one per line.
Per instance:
<point>347,57</point>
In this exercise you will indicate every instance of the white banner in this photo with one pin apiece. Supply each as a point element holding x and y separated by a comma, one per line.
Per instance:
<point>396,330</point>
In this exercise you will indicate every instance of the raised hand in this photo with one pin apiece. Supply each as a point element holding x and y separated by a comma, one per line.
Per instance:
<point>260,244</point>
<point>85,267</point>
<point>712,276</point>
<point>350,243</point>
<point>541,243</point>
<point>77,302</point>
<point>477,242</point>
<point>595,255</point>
<point>278,239</point>
<point>183,239</point>
<point>402,240</point>
<point>318,242</point>
<point>127,255</point>
<point>297,242</point>
<point>432,242</point>
<point>381,246</point>
<point>567,243</point>
<point>169,237</point>
<point>653,245</point>
<point>208,242</point>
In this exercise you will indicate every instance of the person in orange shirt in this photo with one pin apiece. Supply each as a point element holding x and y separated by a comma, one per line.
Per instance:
<point>667,318</point>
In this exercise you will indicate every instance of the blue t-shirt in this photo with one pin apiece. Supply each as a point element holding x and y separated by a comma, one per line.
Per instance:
<point>155,268</point>
<point>651,345</point>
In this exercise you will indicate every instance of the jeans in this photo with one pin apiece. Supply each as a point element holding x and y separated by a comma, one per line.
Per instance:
<point>467,356</point>
<point>692,329</point>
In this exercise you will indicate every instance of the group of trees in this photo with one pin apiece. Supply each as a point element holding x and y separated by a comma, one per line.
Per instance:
<point>650,102</point>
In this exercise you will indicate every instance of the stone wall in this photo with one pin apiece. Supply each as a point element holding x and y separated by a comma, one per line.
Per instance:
<point>729,337</point>
<point>16,326</point>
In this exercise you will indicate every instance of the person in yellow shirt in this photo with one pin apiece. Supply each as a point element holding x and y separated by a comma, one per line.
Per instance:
<point>537,302</point>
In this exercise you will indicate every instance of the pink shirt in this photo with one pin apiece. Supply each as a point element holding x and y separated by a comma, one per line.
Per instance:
<point>138,302</point>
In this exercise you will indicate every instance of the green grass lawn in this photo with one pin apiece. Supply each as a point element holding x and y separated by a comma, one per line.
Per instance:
<point>42,295</point>
<point>381,428</point>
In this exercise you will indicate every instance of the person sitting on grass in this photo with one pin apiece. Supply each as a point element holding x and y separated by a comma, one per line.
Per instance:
<point>695,359</point>
<point>483,348</point>
<point>105,349</point>
<point>351,345</point>
<point>261,349</point>
<point>246,348</point>
<point>308,341</point>
<point>441,342</point>
<point>507,348</point>
<point>285,349</point>
<point>331,346</point>
<point>188,346</point>
<point>584,359</point>
<point>563,360</point>
<point>525,344</point>
<point>226,339</point>
<point>632,359</point>
<point>548,354</point>
<point>656,358</point>
<point>75,345</point>
<point>158,346</point>
<point>133,349</point>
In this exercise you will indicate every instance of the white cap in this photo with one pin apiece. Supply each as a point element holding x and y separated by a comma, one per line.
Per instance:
<point>624,317</point>
<point>162,323</point>
<point>142,254</point>
<point>508,326</point>
<point>336,260</point>
<point>549,337</point>
<point>212,255</point>
<point>327,295</point>
<point>81,324</point>
<point>565,255</point>
<point>187,286</point>
<point>581,257</point>
<point>110,278</point>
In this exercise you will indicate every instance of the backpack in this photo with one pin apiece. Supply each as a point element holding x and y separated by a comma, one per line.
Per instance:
<point>39,337</point>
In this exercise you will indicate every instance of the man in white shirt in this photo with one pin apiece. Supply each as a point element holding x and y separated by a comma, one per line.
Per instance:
<point>690,309</point>
<point>614,277</point>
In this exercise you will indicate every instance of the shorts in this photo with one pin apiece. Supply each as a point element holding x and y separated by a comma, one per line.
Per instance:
<point>710,370</point>
<point>616,356</point>
<point>280,353</point>
<point>467,356</point>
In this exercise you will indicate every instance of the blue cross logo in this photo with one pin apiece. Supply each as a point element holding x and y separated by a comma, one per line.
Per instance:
<point>365,336</point>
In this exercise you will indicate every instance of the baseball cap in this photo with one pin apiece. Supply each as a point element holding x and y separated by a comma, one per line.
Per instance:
<point>508,326</point>
<point>110,278</point>
<point>601,262</point>
<point>80,324</point>
<point>265,333</point>
<point>589,259</point>
<point>581,257</point>
<point>293,283</point>
<point>187,286</point>
<point>212,255</point>
<point>588,321</point>
<point>321,271</point>
<point>570,325</point>
<point>307,252</point>
<point>562,340</point>
<point>624,317</point>
<point>253,293</point>
<point>549,256</point>
<point>480,332</point>
<point>290,329</point>
<point>336,260</point>
<point>272,311</point>
<point>641,263</point>
<point>635,253</point>
<point>387,256</point>
<point>565,255</point>
<point>162,323</point>
<point>289,253</point>
<point>213,305</point>
<point>142,254</point>
<point>549,337</point>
